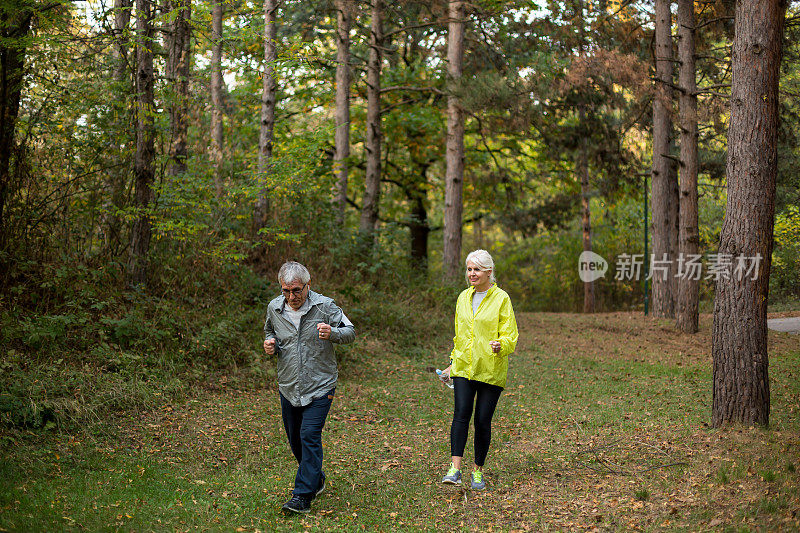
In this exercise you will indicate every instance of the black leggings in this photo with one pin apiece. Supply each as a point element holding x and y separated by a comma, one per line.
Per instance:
<point>465,392</point>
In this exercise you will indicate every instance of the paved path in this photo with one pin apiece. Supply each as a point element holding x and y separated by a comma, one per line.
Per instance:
<point>788,325</point>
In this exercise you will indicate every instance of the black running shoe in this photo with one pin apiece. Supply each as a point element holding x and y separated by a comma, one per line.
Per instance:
<point>297,504</point>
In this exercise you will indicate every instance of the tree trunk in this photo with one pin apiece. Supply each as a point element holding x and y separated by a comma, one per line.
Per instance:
<point>739,337</point>
<point>477,233</point>
<point>342,138</point>
<point>14,28</point>
<point>688,234</point>
<point>454,175</point>
<point>122,18</point>
<point>664,193</point>
<point>420,231</point>
<point>144,169</point>
<point>178,72</point>
<point>123,116</point>
<point>217,13</point>
<point>586,226</point>
<point>267,127</point>
<point>582,168</point>
<point>369,209</point>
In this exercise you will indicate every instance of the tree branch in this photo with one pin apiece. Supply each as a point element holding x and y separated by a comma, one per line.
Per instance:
<point>709,88</point>
<point>706,23</point>
<point>668,83</point>
<point>410,88</point>
<point>415,27</point>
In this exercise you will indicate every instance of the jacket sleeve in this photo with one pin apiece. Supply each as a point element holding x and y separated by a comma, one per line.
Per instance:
<point>342,330</point>
<point>507,328</point>
<point>269,332</point>
<point>455,329</point>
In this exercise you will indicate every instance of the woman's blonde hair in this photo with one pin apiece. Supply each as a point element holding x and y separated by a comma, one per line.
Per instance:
<point>483,260</point>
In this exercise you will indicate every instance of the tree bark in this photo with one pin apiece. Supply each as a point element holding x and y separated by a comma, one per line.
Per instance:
<point>267,124</point>
<point>369,208</point>
<point>15,26</point>
<point>477,233</point>
<point>739,336</point>
<point>688,233</point>
<point>586,225</point>
<point>419,230</point>
<point>123,117</point>
<point>144,169</point>
<point>122,18</point>
<point>664,188</point>
<point>217,13</point>
<point>582,168</point>
<point>342,137</point>
<point>178,73</point>
<point>454,175</point>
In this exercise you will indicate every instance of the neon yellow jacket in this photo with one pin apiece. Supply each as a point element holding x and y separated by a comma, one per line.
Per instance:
<point>472,357</point>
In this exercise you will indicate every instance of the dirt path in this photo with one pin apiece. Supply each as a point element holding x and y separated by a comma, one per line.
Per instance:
<point>786,325</point>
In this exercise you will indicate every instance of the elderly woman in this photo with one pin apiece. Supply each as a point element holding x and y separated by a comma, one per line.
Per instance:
<point>485,335</point>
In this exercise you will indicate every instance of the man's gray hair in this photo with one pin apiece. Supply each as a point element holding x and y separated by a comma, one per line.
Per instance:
<point>483,260</point>
<point>293,271</point>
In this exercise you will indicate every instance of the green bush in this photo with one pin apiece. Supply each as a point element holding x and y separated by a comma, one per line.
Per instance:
<point>785,275</point>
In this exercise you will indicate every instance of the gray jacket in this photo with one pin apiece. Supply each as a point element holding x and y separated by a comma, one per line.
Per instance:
<point>307,364</point>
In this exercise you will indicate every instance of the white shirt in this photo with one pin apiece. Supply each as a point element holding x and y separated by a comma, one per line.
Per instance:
<point>295,316</point>
<point>477,298</point>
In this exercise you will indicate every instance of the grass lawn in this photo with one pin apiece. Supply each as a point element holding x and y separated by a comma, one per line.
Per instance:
<point>603,426</point>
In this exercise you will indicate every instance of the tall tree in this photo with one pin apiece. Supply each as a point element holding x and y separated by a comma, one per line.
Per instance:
<point>144,169</point>
<point>118,177</point>
<point>688,233</point>
<point>739,337</point>
<point>582,168</point>
<point>15,24</point>
<point>369,208</point>
<point>454,175</point>
<point>664,187</point>
<point>342,136</point>
<point>178,73</point>
<point>267,123</point>
<point>217,14</point>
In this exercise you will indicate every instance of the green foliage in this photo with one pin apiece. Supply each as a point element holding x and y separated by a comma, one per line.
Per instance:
<point>532,106</point>
<point>550,259</point>
<point>784,279</point>
<point>77,350</point>
<point>16,412</point>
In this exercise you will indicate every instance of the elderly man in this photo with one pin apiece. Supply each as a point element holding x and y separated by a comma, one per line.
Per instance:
<point>301,327</point>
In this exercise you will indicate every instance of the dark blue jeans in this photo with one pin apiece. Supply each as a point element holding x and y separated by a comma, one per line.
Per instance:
<point>304,428</point>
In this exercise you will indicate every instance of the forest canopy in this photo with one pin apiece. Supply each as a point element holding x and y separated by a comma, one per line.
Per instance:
<point>556,101</point>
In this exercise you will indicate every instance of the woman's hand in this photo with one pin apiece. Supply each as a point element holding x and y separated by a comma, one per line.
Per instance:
<point>496,346</point>
<point>445,378</point>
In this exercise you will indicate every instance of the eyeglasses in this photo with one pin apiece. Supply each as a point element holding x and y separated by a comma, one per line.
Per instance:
<point>294,292</point>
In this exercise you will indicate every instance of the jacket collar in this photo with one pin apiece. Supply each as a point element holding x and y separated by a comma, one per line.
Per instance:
<point>489,291</point>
